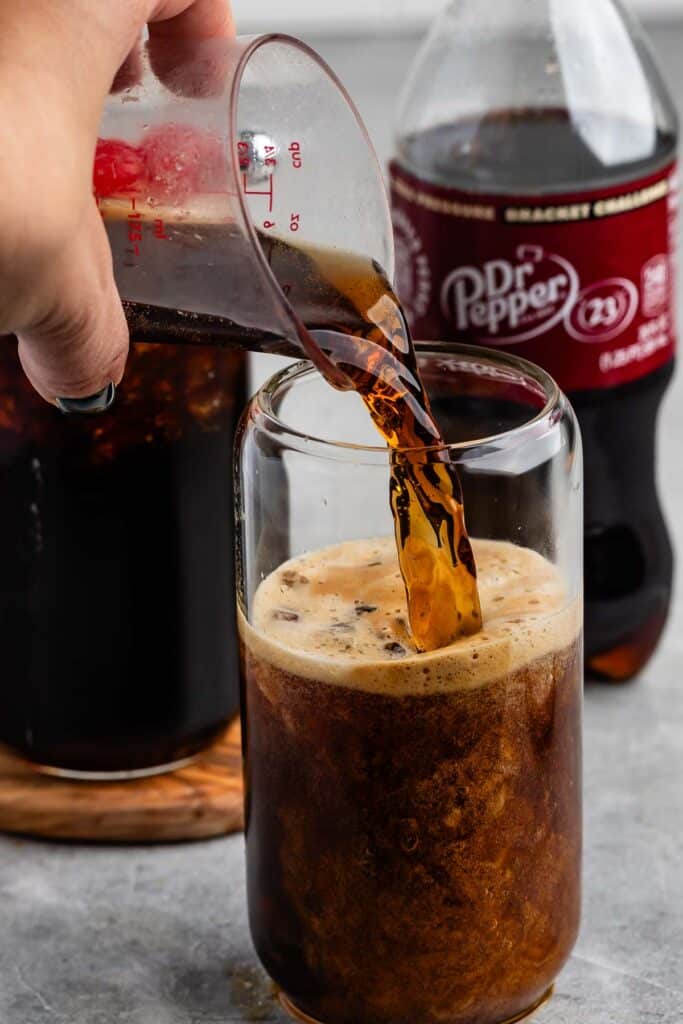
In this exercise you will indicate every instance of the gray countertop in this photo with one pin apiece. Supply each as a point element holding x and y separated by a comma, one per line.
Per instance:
<point>158,935</point>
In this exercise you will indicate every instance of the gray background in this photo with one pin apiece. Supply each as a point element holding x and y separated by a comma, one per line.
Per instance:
<point>157,935</point>
<point>309,16</point>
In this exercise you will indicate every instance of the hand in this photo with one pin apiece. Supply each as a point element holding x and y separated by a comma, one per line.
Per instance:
<point>58,59</point>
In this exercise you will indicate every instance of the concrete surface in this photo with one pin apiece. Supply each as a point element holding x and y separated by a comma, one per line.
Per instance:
<point>142,935</point>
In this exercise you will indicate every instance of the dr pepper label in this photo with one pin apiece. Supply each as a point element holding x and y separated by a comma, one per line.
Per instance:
<point>581,283</point>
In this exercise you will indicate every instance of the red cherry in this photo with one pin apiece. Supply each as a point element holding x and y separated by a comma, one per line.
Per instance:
<point>180,161</point>
<point>119,168</point>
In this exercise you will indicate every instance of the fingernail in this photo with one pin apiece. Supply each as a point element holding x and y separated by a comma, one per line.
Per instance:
<point>100,402</point>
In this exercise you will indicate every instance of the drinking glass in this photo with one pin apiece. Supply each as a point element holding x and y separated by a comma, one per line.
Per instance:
<point>413,821</point>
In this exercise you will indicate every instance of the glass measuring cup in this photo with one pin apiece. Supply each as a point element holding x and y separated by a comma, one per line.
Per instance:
<point>217,150</point>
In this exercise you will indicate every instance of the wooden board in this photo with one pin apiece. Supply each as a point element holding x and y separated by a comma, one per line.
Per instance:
<point>196,802</point>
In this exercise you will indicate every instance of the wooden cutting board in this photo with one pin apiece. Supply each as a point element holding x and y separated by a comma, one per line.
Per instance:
<point>196,802</point>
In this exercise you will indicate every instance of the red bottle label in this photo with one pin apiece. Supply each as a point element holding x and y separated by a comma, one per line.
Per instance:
<point>582,284</point>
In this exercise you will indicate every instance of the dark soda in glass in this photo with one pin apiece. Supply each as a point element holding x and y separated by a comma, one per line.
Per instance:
<point>117,593</point>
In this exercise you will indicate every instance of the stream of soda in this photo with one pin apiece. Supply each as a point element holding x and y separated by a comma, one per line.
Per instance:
<point>350,308</point>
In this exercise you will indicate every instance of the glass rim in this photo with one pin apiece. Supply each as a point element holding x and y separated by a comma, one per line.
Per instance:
<point>537,426</point>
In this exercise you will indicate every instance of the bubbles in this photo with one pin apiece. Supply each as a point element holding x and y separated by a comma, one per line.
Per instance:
<point>285,615</point>
<point>365,609</point>
<point>409,839</point>
<point>289,578</point>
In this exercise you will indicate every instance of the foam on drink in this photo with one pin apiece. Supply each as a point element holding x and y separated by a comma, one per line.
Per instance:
<point>206,211</point>
<point>339,616</point>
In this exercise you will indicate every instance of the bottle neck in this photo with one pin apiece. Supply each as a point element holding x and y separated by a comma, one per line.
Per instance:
<point>520,96</point>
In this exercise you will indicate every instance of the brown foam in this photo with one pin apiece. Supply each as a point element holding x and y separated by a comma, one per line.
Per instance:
<point>337,616</point>
<point>199,210</point>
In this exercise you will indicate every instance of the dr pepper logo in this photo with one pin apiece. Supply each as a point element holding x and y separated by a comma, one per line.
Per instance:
<point>508,301</point>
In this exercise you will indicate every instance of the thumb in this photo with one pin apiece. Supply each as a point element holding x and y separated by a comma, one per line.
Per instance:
<point>76,342</point>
